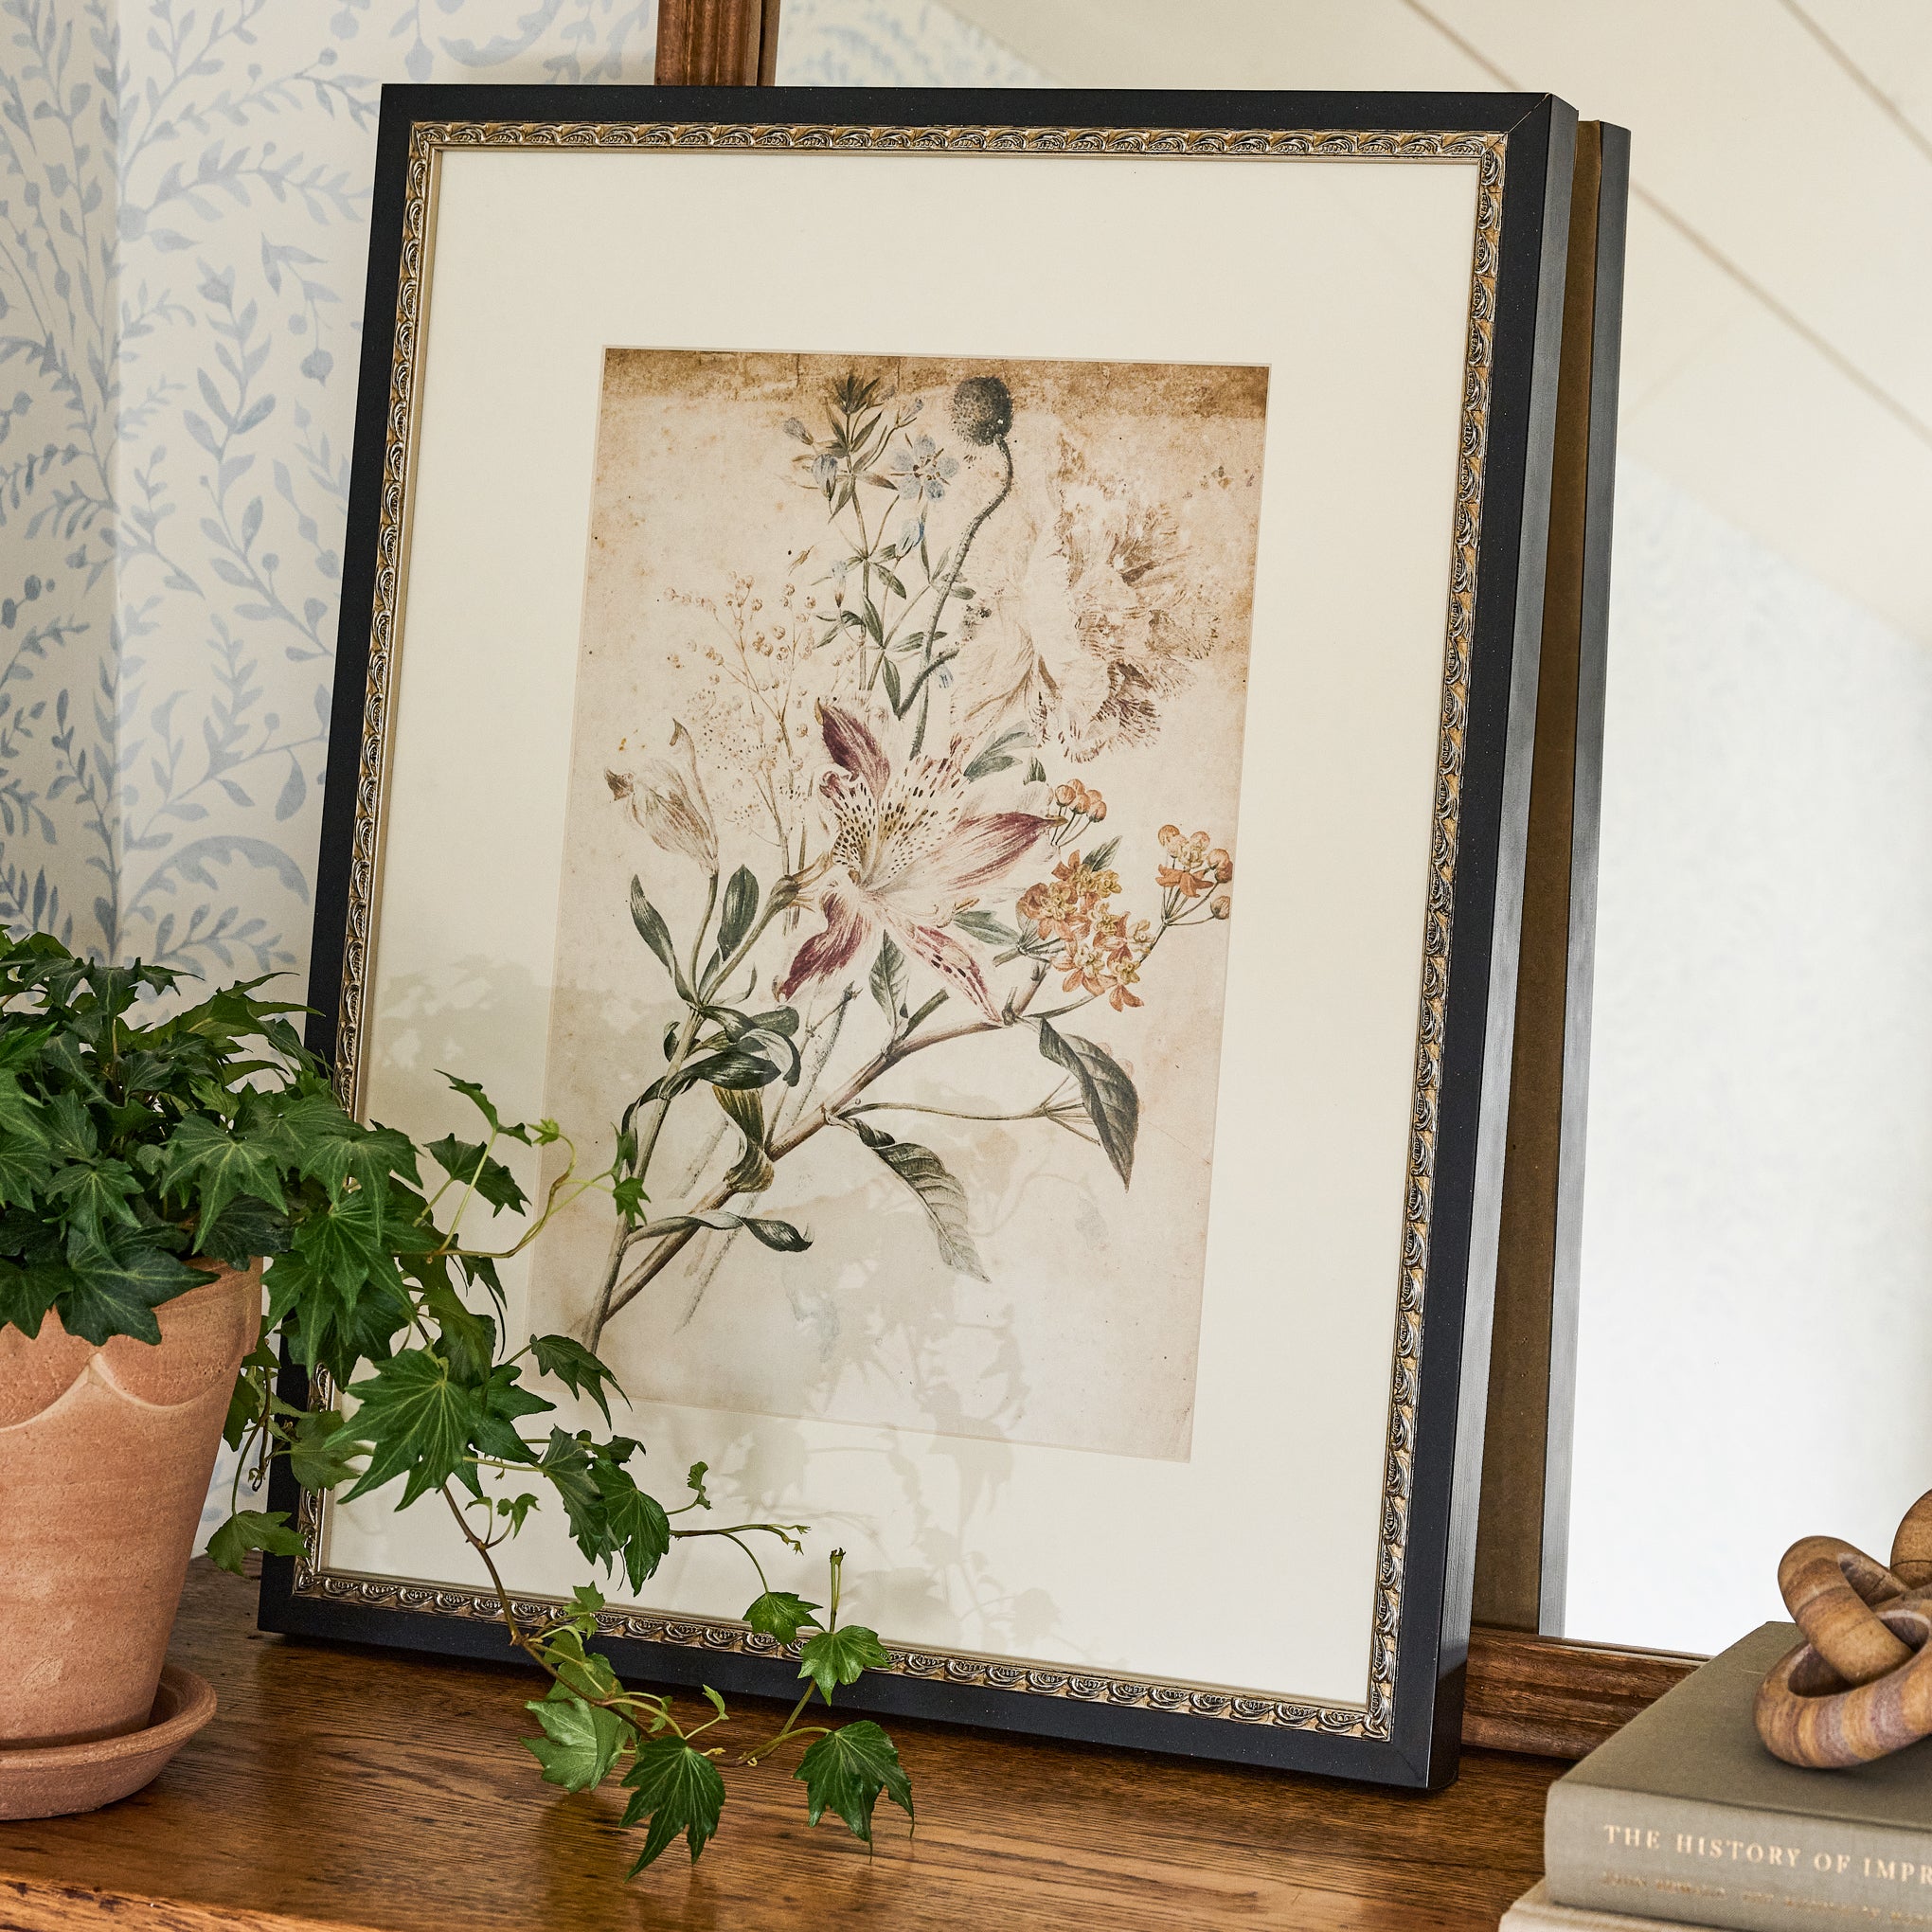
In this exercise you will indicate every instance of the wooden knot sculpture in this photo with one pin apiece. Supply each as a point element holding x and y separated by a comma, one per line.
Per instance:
<point>1860,1685</point>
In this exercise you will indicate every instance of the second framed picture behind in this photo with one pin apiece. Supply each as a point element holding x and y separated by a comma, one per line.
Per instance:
<point>944,679</point>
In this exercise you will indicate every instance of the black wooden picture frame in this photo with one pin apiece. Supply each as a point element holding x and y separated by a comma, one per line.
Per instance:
<point>1408,1735</point>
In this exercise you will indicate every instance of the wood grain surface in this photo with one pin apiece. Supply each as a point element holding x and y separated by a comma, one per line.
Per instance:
<point>717,43</point>
<point>1550,1695</point>
<point>344,1787</point>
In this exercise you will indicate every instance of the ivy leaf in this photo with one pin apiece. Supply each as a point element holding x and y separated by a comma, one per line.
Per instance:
<point>504,1404</point>
<point>18,1108</point>
<point>738,910</point>
<point>26,1159</point>
<point>249,1530</point>
<point>576,1368</point>
<point>419,1422</point>
<point>343,1242</point>
<point>202,1154</point>
<point>840,1656</point>
<point>888,981</point>
<point>567,1462</point>
<point>782,1615</point>
<point>466,1339</point>
<point>679,1790</point>
<point>509,1130</point>
<point>116,1289</point>
<point>845,1772</point>
<point>937,1192</point>
<point>579,1743</point>
<point>93,1197</point>
<point>639,1529</point>
<point>318,1456</point>
<point>245,1228</point>
<point>467,1163</point>
<point>586,1672</point>
<point>65,1120</point>
<point>244,1407</point>
<point>1110,1099</point>
<point>27,1291</point>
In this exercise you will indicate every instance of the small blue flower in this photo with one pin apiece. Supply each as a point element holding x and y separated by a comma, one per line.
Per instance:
<point>922,472</point>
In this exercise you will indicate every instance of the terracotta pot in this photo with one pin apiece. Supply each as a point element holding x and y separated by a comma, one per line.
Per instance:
<point>105,1455</point>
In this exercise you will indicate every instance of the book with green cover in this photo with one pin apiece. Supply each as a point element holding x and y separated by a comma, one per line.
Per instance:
<point>1685,1816</point>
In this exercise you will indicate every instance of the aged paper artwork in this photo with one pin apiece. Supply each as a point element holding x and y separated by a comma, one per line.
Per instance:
<point>899,869</point>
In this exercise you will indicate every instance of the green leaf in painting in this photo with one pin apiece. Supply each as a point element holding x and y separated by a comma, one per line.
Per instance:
<point>754,1170</point>
<point>656,935</point>
<point>679,1790</point>
<point>888,981</point>
<point>738,910</point>
<point>579,1743</point>
<point>982,925</point>
<point>937,1191</point>
<point>249,1530</point>
<point>845,1772</point>
<point>780,1235</point>
<point>1110,1099</point>
<point>996,755</point>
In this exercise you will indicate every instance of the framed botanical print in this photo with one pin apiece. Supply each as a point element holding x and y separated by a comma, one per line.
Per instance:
<point>942,681</point>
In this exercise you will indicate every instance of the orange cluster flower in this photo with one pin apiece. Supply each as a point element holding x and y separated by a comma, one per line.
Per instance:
<point>1100,950</point>
<point>1193,867</point>
<point>1075,807</point>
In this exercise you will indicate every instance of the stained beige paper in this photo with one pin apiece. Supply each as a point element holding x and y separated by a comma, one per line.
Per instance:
<point>999,1278</point>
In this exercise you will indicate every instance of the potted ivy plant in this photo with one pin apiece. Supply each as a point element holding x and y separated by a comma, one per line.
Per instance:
<point>156,1157</point>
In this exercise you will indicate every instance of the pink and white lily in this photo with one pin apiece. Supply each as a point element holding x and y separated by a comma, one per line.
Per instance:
<point>905,855</point>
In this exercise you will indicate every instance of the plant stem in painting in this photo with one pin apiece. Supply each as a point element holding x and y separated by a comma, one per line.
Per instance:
<point>935,880</point>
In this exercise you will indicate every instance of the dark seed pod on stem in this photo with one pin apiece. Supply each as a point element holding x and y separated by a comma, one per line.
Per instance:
<point>982,409</point>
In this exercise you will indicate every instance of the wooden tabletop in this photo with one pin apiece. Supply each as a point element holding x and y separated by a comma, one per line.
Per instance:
<point>343,1787</point>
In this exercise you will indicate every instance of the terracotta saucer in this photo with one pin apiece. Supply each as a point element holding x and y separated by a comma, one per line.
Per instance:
<point>53,1780</point>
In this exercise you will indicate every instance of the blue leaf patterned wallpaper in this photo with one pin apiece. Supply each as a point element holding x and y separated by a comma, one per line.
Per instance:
<point>183,236</point>
<point>60,391</point>
<point>184,230</point>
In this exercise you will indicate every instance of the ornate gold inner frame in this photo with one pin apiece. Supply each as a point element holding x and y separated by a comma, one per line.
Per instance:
<point>1487,150</point>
